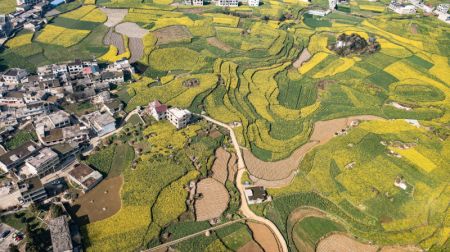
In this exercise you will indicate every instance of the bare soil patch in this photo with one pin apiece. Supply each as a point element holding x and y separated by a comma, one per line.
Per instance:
<point>323,132</point>
<point>400,249</point>
<point>213,200</point>
<point>264,237</point>
<point>278,170</point>
<point>172,34</point>
<point>343,243</point>
<point>414,29</point>
<point>232,167</point>
<point>251,246</point>
<point>136,48</point>
<point>302,58</point>
<point>115,39</point>
<point>219,44</point>
<point>273,183</point>
<point>219,168</point>
<point>131,30</point>
<point>101,202</point>
<point>115,16</point>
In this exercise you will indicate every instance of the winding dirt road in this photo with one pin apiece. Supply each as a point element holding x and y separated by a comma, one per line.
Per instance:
<point>244,206</point>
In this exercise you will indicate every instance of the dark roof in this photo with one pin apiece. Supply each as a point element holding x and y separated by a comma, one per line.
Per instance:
<point>32,184</point>
<point>115,104</point>
<point>53,135</point>
<point>258,192</point>
<point>109,75</point>
<point>20,153</point>
<point>11,72</point>
<point>14,94</point>
<point>64,148</point>
<point>80,171</point>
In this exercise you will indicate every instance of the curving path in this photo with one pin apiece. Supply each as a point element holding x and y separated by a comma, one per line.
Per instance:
<point>244,206</point>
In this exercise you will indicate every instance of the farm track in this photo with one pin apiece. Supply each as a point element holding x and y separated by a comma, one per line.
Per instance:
<point>136,48</point>
<point>245,210</point>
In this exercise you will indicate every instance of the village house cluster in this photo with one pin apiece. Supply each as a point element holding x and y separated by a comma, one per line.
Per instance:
<point>407,7</point>
<point>36,102</point>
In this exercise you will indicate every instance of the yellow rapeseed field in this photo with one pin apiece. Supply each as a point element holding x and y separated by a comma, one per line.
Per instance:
<point>95,15</point>
<point>392,49</point>
<point>377,8</point>
<point>89,2</point>
<point>111,55</point>
<point>335,67</point>
<point>318,43</point>
<point>310,64</point>
<point>167,2</point>
<point>441,69</point>
<point>79,13</point>
<point>164,22</point>
<point>50,33</point>
<point>416,158</point>
<point>19,41</point>
<point>414,43</point>
<point>385,127</point>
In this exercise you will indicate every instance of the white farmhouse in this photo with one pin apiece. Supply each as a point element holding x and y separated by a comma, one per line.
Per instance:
<point>102,124</point>
<point>253,3</point>
<point>157,110</point>
<point>179,117</point>
<point>227,3</point>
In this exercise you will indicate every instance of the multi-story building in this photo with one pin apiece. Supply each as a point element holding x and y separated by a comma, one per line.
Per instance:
<point>75,67</point>
<point>31,190</point>
<point>5,26</point>
<point>60,235</point>
<point>27,2</point>
<point>402,9</point>
<point>227,3</point>
<point>44,163</point>
<point>180,118</point>
<point>14,76</point>
<point>85,176</point>
<point>67,152</point>
<point>115,77</point>
<point>15,158</point>
<point>102,124</point>
<point>75,133</point>
<point>194,2</point>
<point>58,119</point>
<point>443,8</point>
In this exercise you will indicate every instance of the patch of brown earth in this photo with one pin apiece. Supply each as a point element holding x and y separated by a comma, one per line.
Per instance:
<point>250,246</point>
<point>232,167</point>
<point>323,132</point>
<point>302,245</point>
<point>131,30</point>
<point>101,202</point>
<point>400,249</point>
<point>212,201</point>
<point>264,237</point>
<point>115,16</point>
<point>302,58</point>
<point>136,48</point>
<point>173,33</point>
<point>219,44</point>
<point>414,29</point>
<point>219,167</point>
<point>343,243</point>
<point>273,183</point>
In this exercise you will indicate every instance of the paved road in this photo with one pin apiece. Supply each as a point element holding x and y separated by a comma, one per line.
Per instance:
<point>244,206</point>
<point>165,245</point>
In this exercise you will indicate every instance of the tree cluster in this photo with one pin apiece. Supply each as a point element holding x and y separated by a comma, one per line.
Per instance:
<point>354,44</point>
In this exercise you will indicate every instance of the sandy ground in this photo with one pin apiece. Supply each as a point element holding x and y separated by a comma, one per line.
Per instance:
<point>219,44</point>
<point>281,170</point>
<point>264,237</point>
<point>131,30</point>
<point>343,243</point>
<point>92,203</point>
<point>115,16</point>
<point>172,34</point>
<point>303,57</point>
<point>219,168</point>
<point>136,48</point>
<point>214,200</point>
<point>251,246</point>
<point>273,183</point>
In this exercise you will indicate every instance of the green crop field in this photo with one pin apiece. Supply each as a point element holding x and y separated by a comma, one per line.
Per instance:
<point>247,61</point>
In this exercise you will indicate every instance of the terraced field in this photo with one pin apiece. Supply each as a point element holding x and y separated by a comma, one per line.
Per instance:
<point>277,79</point>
